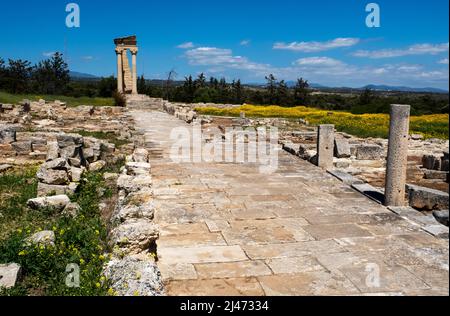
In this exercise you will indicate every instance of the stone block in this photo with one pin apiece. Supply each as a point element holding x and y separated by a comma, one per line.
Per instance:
<point>441,217</point>
<point>57,203</point>
<point>52,150</point>
<point>131,276</point>
<point>22,147</point>
<point>7,134</point>
<point>50,189</point>
<point>427,199</point>
<point>431,162</point>
<point>341,148</point>
<point>325,146</point>
<point>50,176</point>
<point>435,175</point>
<point>97,166</point>
<point>65,140</point>
<point>43,238</point>
<point>134,236</point>
<point>9,275</point>
<point>369,152</point>
<point>140,155</point>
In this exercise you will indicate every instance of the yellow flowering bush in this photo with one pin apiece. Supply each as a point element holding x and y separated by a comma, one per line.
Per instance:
<point>363,125</point>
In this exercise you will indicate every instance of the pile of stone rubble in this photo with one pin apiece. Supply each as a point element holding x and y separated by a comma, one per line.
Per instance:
<point>132,269</point>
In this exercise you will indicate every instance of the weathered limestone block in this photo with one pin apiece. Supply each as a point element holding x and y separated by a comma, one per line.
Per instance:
<point>75,174</point>
<point>52,150</point>
<point>7,134</point>
<point>431,162</point>
<point>134,236</point>
<point>44,189</point>
<point>341,148</point>
<point>65,140</point>
<point>5,167</point>
<point>71,210</point>
<point>435,175</point>
<point>121,214</point>
<point>291,148</point>
<point>56,164</point>
<point>138,168</point>
<point>57,202</point>
<point>50,176</point>
<point>43,238</point>
<point>22,148</point>
<point>369,152</point>
<point>325,146</point>
<point>132,276</point>
<point>427,199</point>
<point>72,151</point>
<point>9,275</point>
<point>140,155</point>
<point>133,184</point>
<point>97,166</point>
<point>306,152</point>
<point>441,216</point>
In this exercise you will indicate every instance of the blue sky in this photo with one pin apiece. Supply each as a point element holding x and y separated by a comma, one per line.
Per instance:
<point>324,41</point>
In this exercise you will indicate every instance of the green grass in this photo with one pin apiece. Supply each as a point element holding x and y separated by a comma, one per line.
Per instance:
<point>80,240</point>
<point>6,97</point>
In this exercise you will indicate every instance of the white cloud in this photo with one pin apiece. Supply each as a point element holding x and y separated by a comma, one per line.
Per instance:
<point>87,58</point>
<point>317,61</point>
<point>418,49</point>
<point>443,61</point>
<point>324,70</point>
<point>245,43</point>
<point>186,45</point>
<point>48,54</point>
<point>213,56</point>
<point>309,47</point>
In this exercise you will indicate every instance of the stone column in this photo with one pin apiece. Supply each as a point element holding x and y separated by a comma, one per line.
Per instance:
<point>134,70</point>
<point>325,146</point>
<point>397,155</point>
<point>119,70</point>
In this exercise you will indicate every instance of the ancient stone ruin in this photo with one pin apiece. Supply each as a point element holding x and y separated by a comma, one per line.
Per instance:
<point>126,78</point>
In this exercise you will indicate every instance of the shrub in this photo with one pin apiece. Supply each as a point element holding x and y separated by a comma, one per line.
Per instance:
<point>119,99</point>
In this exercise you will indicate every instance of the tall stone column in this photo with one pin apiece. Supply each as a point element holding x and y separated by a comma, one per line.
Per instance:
<point>134,71</point>
<point>325,146</point>
<point>119,70</point>
<point>397,155</point>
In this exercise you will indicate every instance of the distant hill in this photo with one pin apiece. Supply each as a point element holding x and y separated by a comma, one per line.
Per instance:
<point>403,89</point>
<point>80,75</point>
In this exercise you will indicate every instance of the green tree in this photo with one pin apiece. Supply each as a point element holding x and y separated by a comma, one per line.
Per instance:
<point>238,93</point>
<point>189,89</point>
<point>2,73</point>
<point>51,76</point>
<point>282,94</point>
<point>141,85</point>
<point>107,86</point>
<point>200,82</point>
<point>366,97</point>
<point>301,92</point>
<point>18,75</point>
<point>271,88</point>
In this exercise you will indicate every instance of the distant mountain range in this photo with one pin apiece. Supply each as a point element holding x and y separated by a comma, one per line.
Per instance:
<point>79,75</point>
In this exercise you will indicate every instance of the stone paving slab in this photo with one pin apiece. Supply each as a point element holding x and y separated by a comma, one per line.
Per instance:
<point>227,229</point>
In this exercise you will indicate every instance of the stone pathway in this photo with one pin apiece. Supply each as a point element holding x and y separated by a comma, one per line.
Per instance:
<point>226,229</point>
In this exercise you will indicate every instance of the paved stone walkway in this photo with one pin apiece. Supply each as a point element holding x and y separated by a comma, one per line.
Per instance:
<point>226,229</point>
